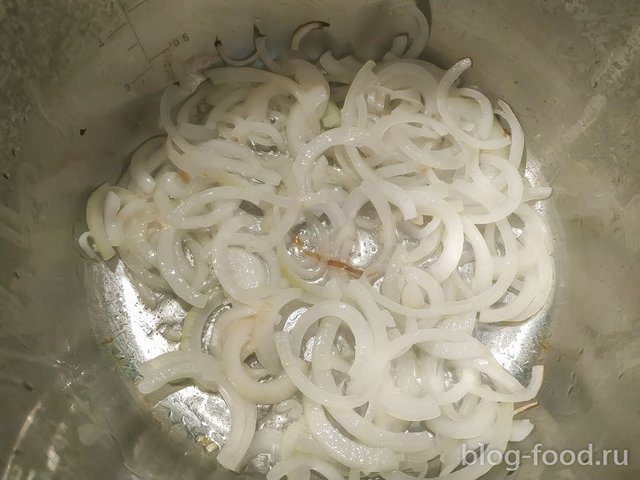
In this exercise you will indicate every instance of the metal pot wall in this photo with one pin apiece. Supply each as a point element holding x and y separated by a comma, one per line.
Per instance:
<point>79,91</point>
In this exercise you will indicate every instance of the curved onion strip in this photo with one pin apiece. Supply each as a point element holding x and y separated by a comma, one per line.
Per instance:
<point>304,30</point>
<point>421,35</point>
<point>441,101</point>
<point>144,162</point>
<point>350,316</point>
<point>235,62</point>
<point>167,264</point>
<point>408,407</point>
<point>305,385</point>
<point>207,372</point>
<point>271,391</point>
<point>95,222</point>
<point>265,56</point>
<point>344,450</point>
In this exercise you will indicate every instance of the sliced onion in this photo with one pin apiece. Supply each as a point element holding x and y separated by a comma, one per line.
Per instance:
<point>344,450</point>
<point>207,372</point>
<point>271,391</point>
<point>398,160</point>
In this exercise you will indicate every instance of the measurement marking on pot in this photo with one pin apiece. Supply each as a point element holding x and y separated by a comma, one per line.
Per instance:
<point>137,5</point>
<point>117,29</point>
<point>160,53</point>
<point>135,34</point>
<point>132,47</point>
<point>139,76</point>
<point>129,84</point>
<point>174,43</point>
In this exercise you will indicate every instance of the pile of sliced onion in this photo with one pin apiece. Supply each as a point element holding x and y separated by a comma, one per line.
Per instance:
<point>383,205</point>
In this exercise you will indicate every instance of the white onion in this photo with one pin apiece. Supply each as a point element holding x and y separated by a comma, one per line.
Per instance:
<point>473,426</point>
<point>167,264</point>
<point>344,450</point>
<point>292,366</point>
<point>206,371</point>
<point>271,391</point>
<point>419,40</point>
<point>408,407</point>
<point>386,225</point>
<point>441,100</point>
<point>95,222</point>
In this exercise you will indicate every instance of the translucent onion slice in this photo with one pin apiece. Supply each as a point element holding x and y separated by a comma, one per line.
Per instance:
<point>207,372</point>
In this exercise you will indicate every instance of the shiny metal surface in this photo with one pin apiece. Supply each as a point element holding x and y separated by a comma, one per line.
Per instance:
<point>81,93</point>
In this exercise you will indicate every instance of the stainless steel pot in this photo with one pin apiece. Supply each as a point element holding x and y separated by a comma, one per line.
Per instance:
<point>79,83</point>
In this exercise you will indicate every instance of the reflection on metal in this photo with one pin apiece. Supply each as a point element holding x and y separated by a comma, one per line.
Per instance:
<point>9,471</point>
